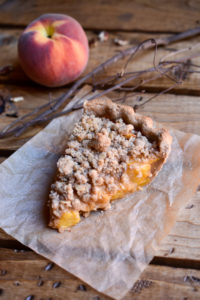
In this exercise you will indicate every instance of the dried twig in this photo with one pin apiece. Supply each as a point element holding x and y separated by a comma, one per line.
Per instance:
<point>48,111</point>
<point>5,70</point>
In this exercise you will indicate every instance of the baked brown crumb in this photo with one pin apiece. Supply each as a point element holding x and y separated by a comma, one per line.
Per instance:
<point>96,155</point>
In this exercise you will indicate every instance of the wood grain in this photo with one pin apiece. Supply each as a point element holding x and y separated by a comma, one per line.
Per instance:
<point>2,158</point>
<point>179,112</point>
<point>102,52</point>
<point>184,240</point>
<point>178,258</point>
<point>183,243</point>
<point>24,271</point>
<point>33,97</point>
<point>145,15</point>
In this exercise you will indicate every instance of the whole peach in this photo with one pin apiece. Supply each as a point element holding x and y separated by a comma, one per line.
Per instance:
<point>53,50</point>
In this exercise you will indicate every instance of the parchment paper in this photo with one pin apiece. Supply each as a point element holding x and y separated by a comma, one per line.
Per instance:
<point>107,250</point>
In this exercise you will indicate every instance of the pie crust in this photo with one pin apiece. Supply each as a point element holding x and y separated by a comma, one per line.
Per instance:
<point>111,152</point>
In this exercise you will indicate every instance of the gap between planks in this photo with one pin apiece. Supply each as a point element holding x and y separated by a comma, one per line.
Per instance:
<point>22,273</point>
<point>126,15</point>
<point>93,29</point>
<point>179,112</point>
<point>12,250</point>
<point>99,54</point>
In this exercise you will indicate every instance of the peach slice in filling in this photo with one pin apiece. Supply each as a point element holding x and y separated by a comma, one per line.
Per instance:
<point>138,174</point>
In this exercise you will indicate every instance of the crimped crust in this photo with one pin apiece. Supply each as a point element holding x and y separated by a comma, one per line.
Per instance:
<point>113,111</point>
<point>103,142</point>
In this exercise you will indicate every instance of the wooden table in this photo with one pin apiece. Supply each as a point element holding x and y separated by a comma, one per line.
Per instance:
<point>174,273</point>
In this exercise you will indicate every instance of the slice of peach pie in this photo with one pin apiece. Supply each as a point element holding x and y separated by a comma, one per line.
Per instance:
<point>111,152</point>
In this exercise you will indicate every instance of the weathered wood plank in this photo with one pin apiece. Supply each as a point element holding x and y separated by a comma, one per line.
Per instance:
<point>127,15</point>
<point>100,53</point>
<point>67,290</point>
<point>179,112</point>
<point>33,97</point>
<point>24,274</point>
<point>4,235</point>
<point>184,240</point>
<point>183,243</point>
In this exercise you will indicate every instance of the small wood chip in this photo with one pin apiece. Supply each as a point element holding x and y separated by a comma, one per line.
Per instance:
<point>5,70</point>
<point>56,284</point>
<point>19,250</point>
<point>17,99</point>
<point>192,280</point>
<point>3,272</point>
<point>139,98</point>
<point>49,267</point>
<point>170,251</point>
<point>40,282</point>
<point>93,42</point>
<point>12,114</point>
<point>82,287</point>
<point>2,104</point>
<point>103,36</point>
<point>196,279</point>
<point>31,297</point>
<point>120,42</point>
<point>189,206</point>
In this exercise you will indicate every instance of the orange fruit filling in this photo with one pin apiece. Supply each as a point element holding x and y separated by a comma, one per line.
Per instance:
<point>138,175</point>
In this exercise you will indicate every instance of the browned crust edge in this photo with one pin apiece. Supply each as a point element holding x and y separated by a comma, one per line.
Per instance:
<point>107,108</point>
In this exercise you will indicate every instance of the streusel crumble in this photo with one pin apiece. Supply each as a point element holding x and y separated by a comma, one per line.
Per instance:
<point>105,158</point>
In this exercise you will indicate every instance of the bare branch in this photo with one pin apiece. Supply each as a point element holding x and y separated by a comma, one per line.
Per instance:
<point>48,111</point>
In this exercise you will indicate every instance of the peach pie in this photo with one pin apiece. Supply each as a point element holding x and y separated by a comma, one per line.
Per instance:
<point>111,152</point>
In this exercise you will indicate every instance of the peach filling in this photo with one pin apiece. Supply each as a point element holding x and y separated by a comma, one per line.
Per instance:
<point>138,175</point>
<point>69,218</point>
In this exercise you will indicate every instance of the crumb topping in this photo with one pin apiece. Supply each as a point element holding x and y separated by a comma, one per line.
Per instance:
<point>96,156</point>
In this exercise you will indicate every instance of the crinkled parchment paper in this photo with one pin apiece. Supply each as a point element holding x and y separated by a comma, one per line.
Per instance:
<point>107,250</point>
